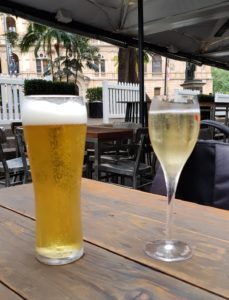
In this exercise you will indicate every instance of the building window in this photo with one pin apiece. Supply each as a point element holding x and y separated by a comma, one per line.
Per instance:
<point>96,62</point>
<point>10,24</point>
<point>13,63</point>
<point>38,66</point>
<point>0,66</point>
<point>101,66</point>
<point>41,65</point>
<point>45,65</point>
<point>157,91</point>
<point>156,64</point>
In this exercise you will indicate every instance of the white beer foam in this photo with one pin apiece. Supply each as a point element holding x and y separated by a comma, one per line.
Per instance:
<point>44,112</point>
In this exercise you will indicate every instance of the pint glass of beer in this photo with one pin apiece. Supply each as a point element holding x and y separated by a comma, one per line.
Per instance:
<point>55,129</point>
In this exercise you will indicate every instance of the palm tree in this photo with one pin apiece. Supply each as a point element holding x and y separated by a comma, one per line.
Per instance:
<point>72,51</point>
<point>82,53</point>
<point>32,36</point>
<point>38,36</point>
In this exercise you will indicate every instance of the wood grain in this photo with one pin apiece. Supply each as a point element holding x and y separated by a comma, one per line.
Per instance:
<point>190,216</point>
<point>122,220</point>
<point>7,294</point>
<point>99,275</point>
<point>107,133</point>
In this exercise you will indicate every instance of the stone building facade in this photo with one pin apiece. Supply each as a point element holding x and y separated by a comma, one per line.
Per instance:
<point>27,66</point>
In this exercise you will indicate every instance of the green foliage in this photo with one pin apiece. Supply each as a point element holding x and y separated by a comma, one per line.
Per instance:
<point>220,81</point>
<point>94,94</point>
<point>43,87</point>
<point>68,53</point>
<point>32,37</point>
<point>12,37</point>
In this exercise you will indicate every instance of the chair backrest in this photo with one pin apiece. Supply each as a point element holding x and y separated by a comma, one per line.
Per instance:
<point>2,135</point>
<point>14,125</point>
<point>3,140</point>
<point>147,155</point>
<point>205,176</point>
<point>144,151</point>
<point>20,139</point>
<point>128,125</point>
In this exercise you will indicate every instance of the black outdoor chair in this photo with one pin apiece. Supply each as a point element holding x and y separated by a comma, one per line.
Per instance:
<point>11,170</point>
<point>136,167</point>
<point>20,139</point>
<point>205,176</point>
<point>112,151</point>
<point>13,126</point>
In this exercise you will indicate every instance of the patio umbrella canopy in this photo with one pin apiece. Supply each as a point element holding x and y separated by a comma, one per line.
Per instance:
<point>194,30</point>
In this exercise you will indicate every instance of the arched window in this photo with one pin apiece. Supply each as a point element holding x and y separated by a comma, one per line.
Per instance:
<point>101,65</point>
<point>10,24</point>
<point>41,65</point>
<point>14,64</point>
<point>156,64</point>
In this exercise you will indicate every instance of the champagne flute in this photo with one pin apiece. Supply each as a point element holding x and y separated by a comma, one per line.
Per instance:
<point>173,128</point>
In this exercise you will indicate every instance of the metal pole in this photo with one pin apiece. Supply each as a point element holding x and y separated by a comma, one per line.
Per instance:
<point>7,45</point>
<point>166,73</point>
<point>141,61</point>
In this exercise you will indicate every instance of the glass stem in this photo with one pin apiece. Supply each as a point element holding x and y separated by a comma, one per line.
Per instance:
<point>171,189</point>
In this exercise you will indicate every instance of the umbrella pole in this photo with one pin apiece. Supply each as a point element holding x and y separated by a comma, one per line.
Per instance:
<point>141,61</point>
<point>166,75</point>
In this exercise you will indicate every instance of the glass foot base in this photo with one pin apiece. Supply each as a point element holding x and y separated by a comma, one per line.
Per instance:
<point>168,250</point>
<point>60,261</point>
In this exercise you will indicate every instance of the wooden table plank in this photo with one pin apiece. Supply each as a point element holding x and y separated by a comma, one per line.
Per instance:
<point>104,133</point>
<point>122,220</point>
<point>189,216</point>
<point>209,267</point>
<point>7,294</point>
<point>99,275</point>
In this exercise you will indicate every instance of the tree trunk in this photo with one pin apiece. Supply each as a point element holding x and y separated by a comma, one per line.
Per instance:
<point>51,65</point>
<point>127,65</point>
<point>66,58</point>
<point>128,68</point>
<point>59,70</point>
<point>76,77</point>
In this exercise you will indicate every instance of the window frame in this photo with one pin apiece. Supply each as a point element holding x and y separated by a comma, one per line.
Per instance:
<point>156,64</point>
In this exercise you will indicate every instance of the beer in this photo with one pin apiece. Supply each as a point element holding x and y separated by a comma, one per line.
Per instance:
<point>173,135</point>
<point>55,134</point>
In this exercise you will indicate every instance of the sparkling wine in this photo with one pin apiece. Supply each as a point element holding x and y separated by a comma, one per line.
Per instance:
<point>173,135</point>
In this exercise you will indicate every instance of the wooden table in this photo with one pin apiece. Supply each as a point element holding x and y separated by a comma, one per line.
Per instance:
<point>117,222</point>
<point>98,135</point>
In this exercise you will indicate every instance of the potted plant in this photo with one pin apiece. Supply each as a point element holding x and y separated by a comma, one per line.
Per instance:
<point>95,104</point>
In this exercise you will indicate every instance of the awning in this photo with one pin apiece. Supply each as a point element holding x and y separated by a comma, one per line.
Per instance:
<point>194,30</point>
